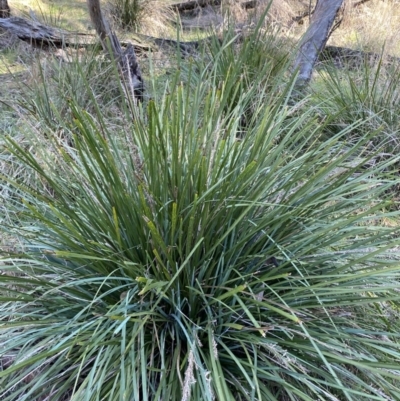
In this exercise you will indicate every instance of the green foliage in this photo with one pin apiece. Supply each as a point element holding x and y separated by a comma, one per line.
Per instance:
<point>173,257</point>
<point>243,62</point>
<point>369,94</point>
<point>88,78</point>
<point>128,13</point>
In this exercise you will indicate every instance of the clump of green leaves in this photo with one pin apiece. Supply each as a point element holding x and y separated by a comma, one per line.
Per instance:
<point>128,13</point>
<point>369,94</point>
<point>246,61</point>
<point>174,257</point>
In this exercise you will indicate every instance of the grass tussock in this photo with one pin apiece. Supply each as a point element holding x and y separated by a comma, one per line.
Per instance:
<point>153,17</point>
<point>178,251</point>
<point>369,94</point>
<point>220,241</point>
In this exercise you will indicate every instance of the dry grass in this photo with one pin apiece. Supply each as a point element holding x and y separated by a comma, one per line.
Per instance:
<point>280,13</point>
<point>157,18</point>
<point>370,26</point>
<point>152,17</point>
<point>66,14</point>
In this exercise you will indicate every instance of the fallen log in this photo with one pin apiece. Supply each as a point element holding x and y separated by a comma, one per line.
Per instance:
<point>247,5</point>
<point>43,36</point>
<point>353,59</point>
<point>5,10</point>
<point>191,5</point>
<point>127,62</point>
<point>359,3</point>
<point>38,34</point>
<point>299,18</point>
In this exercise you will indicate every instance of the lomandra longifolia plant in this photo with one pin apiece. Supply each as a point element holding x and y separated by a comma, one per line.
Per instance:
<point>175,256</point>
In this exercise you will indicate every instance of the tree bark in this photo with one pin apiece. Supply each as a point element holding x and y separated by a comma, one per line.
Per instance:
<point>5,11</point>
<point>127,61</point>
<point>314,40</point>
<point>41,35</point>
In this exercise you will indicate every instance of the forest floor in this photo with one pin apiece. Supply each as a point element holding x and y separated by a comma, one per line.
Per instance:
<point>372,27</point>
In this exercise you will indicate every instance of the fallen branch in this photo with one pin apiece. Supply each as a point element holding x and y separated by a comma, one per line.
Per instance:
<point>359,3</point>
<point>352,59</point>
<point>127,62</point>
<point>305,14</point>
<point>34,32</point>
<point>191,5</point>
<point>40,35</point>
<point>5,11</point>
<point>309,13</point>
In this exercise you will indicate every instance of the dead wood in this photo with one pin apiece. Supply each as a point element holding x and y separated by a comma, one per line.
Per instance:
<point>5,11</point>
<point>359,3</point>
<point>315,38</point>
<point>299,18</point>
<point>345,57</point>
<point>191,5</point>
<point>42,35</point>
<point>39,35</point>
<point>126,59</point>
<point>48,37</point>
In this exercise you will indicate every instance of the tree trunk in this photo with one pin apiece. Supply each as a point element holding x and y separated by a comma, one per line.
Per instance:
<point>127,62</point>
<point>314,40</point>
<point>5,11</point>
